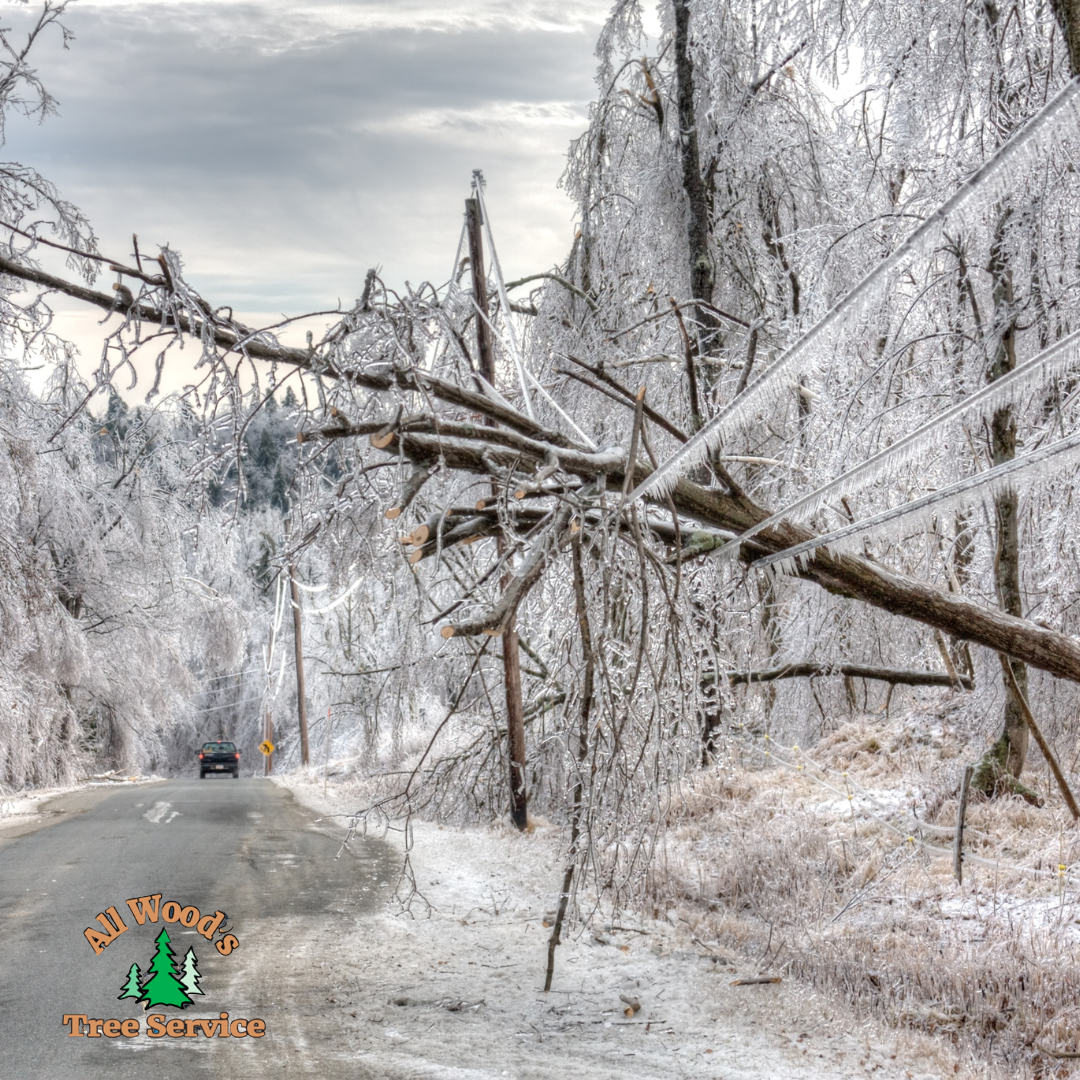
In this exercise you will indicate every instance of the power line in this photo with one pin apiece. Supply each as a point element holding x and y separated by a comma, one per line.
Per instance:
<point>233,675</point>
<point>230,705</point>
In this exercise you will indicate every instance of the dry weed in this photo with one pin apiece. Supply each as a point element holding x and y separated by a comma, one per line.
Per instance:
<point>768,859</point>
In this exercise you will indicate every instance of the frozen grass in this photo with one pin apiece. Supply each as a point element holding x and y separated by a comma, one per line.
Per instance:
<point>765,857</point>
<point>832,866</point>
<point>449,984</point>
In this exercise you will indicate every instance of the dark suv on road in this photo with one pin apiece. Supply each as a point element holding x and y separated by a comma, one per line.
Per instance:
<point>219,757</point>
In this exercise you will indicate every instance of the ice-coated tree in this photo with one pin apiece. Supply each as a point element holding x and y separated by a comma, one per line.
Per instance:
<point>782,258</point>
<point>799,402</point>
<point>808,148</point>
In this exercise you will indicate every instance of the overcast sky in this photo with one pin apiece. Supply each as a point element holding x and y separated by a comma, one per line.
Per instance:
<point>284,148</point>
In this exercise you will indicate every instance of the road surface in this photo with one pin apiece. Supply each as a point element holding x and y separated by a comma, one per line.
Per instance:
<point>242,847</point>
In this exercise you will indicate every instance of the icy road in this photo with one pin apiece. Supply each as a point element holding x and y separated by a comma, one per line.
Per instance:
<point>348,984</point>
<point>240,847</point>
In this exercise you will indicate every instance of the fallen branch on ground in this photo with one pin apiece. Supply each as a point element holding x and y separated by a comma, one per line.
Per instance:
<point>811,670</point>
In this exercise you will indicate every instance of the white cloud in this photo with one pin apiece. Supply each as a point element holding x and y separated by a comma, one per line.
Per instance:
<point>528,121</point>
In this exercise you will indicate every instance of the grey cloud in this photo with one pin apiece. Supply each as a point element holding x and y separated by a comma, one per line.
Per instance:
<point>283,174</point>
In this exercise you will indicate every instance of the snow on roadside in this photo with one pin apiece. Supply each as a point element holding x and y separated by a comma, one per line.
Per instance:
<point>455,990</point>
<point>28,807</point>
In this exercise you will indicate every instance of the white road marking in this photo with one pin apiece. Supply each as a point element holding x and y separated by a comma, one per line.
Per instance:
<point>161,814</point>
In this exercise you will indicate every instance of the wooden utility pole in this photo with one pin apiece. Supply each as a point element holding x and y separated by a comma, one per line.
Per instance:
<point>515,709</point>
<point>485,347</point>
<point>326,760</point>
<point>515,724</point>
<point>301,703</point>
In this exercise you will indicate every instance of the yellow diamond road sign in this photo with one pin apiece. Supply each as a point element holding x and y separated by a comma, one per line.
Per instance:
<point>267,747</point>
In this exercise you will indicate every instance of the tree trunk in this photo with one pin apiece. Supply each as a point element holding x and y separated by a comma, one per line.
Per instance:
<point>1003,763</point>
<point>844,575</point>
<point>1067,14</point>
<point>698,225</point>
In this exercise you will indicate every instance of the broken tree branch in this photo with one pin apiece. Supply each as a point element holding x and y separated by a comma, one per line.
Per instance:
<point>844,575</point>
<point>496,618</point>
<point>1036,732</point>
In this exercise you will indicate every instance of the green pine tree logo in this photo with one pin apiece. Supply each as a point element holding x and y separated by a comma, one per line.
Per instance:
<point>131,987</point>
<point>163,987</point>
<point>189,975</point>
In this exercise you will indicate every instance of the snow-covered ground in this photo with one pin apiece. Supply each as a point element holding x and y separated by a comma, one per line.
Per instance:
<point>27,808</point>
<point>453,987</point>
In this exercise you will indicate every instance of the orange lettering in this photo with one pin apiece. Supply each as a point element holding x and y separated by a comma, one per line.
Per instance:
<point>226,944</point>
<point>189,916</point>
<point>175,1029</point>
<point>115,924</point>
<point>130,1028</point>
<point>234,1026</point>
<point>208,924</point>
<point>170,911</point>
<point>98,940</point>
<point>256,1028</point>
<point>114,927</point>
<point>155,1025</point>
<point>74,1022</point>
<point>144,907</point>
<point>111,1028</point>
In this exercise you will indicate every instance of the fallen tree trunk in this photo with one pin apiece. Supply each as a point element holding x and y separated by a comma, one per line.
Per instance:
<point>843,575</point>
<point>523,442</point>
<point>810,670</point>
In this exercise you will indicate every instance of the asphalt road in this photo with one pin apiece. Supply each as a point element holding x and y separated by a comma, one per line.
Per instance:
<point>243,847</point>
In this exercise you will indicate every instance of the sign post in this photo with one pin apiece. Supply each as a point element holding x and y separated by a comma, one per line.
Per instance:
<point>266,746</point>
